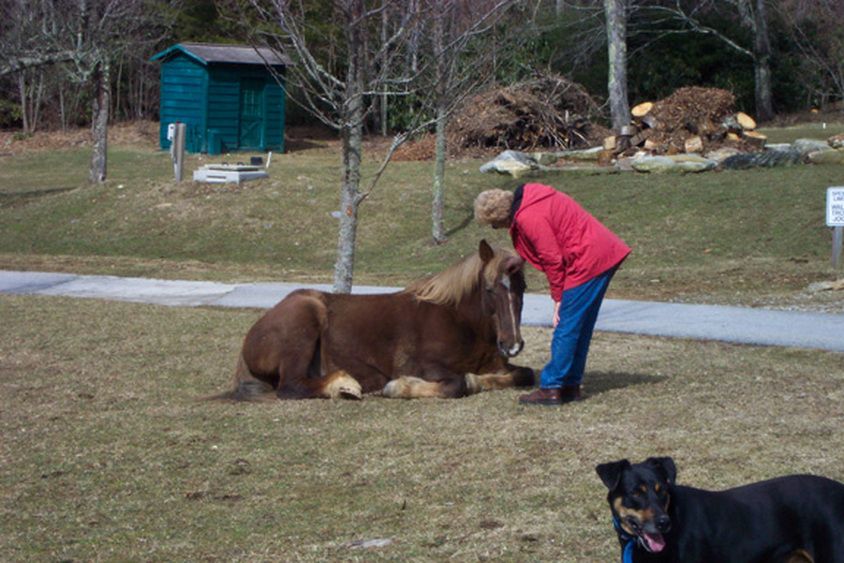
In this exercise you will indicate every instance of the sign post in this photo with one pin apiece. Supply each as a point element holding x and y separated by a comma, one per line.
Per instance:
<point>835,219</point>
<point>176,136</point>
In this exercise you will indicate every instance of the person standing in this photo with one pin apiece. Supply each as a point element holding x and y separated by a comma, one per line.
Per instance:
<point>578,255</point>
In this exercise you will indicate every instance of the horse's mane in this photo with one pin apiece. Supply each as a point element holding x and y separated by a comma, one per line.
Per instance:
<point>452,284</point>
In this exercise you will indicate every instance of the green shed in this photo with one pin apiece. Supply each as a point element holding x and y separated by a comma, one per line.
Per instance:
<point>226,95</point>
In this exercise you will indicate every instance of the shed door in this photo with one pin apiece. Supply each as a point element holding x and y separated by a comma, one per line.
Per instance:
<point>252,114</point>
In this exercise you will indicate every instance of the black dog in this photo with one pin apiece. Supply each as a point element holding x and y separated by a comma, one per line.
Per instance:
<point>799,518</point>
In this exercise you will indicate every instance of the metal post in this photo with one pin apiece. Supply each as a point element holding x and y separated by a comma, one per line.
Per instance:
<point>177,150</point>
<point>837,240</point>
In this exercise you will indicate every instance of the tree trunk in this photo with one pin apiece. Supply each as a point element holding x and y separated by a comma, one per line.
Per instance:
<point>762,64</point>
<point>440,77</point>
<point>438,204</point>
<point>384,95</point>
<point>24,98</point>
<point>353,116</point>
<point>616,16</point>
<point>100,123</point>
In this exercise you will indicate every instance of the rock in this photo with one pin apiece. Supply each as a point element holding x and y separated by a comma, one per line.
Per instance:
<point>837,285</point>
<point>767,159</point>
<point>582,154</point>
<point>836,141</point>
<point>369,544</point>
<point>722,154</point>
<point>831,156</point>
<point>805,146</point>
<point>778,147</point>
<point>514,163</point>
<point>675,163</point>
<point>544,158</point>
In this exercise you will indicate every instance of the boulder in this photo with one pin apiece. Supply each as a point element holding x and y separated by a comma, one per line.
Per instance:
<point>767,159</point>
<point>836,141</point>
<point>805,146</point>
<point>722,154</point>
<point>681,163</point>
<point>582,154</point>
<point>544,158</point>
<point>832,156</point>
<point>514,163</point>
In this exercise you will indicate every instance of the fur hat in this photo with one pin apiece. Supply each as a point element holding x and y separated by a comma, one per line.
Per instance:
<point>493,206</point>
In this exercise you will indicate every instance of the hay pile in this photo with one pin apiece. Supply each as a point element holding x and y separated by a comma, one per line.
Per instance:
<point>544,112</point>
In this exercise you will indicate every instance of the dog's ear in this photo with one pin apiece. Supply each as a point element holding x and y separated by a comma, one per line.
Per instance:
<point>610,473</point>
<point>665,466</point>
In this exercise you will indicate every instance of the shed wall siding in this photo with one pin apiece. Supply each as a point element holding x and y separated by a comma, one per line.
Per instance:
<point>183,98</point>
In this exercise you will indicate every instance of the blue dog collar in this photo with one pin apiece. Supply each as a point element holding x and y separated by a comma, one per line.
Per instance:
<point>629,541</point>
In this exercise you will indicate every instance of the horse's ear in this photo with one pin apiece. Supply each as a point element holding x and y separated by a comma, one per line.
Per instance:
<point>486,251</point>
<point>513,265</point>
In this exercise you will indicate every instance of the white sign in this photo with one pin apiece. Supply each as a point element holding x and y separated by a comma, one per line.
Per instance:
<point>835,206</point>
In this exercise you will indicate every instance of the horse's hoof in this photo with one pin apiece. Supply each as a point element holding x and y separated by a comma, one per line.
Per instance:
<point>352,393</point>
<point>473,384</point>
<point>391,389</point>
<point>341,385</point>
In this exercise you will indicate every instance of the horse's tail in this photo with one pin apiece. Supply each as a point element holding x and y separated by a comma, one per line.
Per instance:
<point>246,386</point>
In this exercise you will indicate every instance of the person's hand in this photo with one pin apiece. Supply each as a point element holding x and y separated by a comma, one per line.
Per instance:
<point>556,313</point>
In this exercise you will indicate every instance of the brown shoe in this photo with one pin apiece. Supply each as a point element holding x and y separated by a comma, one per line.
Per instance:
<point>570,393</point>
<point>542,397</point>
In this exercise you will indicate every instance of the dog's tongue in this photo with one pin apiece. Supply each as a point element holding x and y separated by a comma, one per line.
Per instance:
<point>655,542</point>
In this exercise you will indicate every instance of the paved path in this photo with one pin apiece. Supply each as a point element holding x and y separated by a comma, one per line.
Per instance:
<point>700,322</point>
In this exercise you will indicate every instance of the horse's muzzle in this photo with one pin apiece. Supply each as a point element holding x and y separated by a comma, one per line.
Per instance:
<point>511,350</point>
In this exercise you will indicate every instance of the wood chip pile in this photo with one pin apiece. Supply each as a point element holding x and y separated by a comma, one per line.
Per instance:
<point>691,120</point>
<point>545,112</point>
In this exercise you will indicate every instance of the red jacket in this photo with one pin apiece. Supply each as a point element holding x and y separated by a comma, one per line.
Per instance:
<point>560,238</point>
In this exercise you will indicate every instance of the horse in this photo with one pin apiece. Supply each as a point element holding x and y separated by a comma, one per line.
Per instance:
<point>449,335</point>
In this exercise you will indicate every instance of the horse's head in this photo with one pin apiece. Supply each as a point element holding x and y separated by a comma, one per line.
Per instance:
<point>503,288</point>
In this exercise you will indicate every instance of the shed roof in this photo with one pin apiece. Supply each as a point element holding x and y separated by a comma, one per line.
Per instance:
<point>210,53</point>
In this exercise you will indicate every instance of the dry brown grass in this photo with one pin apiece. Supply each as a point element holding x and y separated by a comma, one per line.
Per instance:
<point>106,453</point>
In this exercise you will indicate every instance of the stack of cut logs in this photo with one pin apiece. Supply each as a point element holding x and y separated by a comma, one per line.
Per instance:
<point>691,120</point>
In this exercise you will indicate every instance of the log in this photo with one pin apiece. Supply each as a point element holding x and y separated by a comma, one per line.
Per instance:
<point>610,143</point>
<point>693,144</point>
<point>747,123</point>
<point>756,138</point>
<point>640,137</point>
<point>733,137</point>
<point>650,121</point>
<point>641,110</point>
<point>651,145</point>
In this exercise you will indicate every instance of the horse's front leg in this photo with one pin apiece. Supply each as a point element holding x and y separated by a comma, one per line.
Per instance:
<point>445,386</point>
<point>512,376</point>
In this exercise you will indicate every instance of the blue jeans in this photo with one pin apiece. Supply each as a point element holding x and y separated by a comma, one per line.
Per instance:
<point>570,342</point>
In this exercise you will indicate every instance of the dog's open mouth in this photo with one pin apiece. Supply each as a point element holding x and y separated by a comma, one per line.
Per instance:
<point>652,542</point>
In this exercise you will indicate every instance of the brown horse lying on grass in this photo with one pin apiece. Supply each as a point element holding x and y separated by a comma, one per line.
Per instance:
<point>445,336</point>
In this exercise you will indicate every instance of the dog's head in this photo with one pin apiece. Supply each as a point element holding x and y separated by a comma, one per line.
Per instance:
<point>639,496</point>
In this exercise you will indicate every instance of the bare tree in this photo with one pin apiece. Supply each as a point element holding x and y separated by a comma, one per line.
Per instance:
<point>455,26</point>
<point>817,28</point>
<point>753,15</point>
<point>339,90</point>
<point>87,36</point>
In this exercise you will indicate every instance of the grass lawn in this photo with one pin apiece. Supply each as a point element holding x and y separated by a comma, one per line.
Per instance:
<point>745,237</point>
<point>108,455</point>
